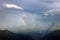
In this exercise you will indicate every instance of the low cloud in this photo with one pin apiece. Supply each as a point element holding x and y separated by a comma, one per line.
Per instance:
<point>11,20</point>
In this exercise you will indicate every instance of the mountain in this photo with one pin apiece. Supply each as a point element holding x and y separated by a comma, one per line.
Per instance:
<point>5,34</point>
<point>55,35</point>
<point>8,35</point>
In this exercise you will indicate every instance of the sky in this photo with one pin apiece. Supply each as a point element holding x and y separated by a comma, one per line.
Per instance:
<point>29,14</point>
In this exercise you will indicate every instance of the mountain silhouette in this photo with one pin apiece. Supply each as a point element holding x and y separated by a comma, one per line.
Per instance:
<point>8,35</point>
<point>55,35</point>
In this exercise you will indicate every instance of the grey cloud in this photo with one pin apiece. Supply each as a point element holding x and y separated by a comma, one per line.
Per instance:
<point>34,6</point>
<point>38,6</point>
<point>12,20</point>
<point>52,12</point>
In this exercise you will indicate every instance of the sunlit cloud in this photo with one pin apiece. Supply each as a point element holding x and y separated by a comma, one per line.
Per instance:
<point>12,6</point>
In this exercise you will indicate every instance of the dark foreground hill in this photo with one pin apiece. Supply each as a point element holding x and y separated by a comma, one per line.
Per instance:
<point>7,35</point>
<point>55,35</point>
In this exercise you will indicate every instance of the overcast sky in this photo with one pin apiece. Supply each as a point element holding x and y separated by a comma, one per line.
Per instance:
<point>35,12</point>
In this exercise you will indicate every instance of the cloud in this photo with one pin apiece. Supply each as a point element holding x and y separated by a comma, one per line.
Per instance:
<point>12,6</point>
<point>52,12</point>
<point>36,6</point>
<point>12,19</point>
<point>32,6</point>
<point>52,3</point>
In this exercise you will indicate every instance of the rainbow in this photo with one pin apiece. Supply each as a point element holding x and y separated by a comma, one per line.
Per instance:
<point>23,21</point>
